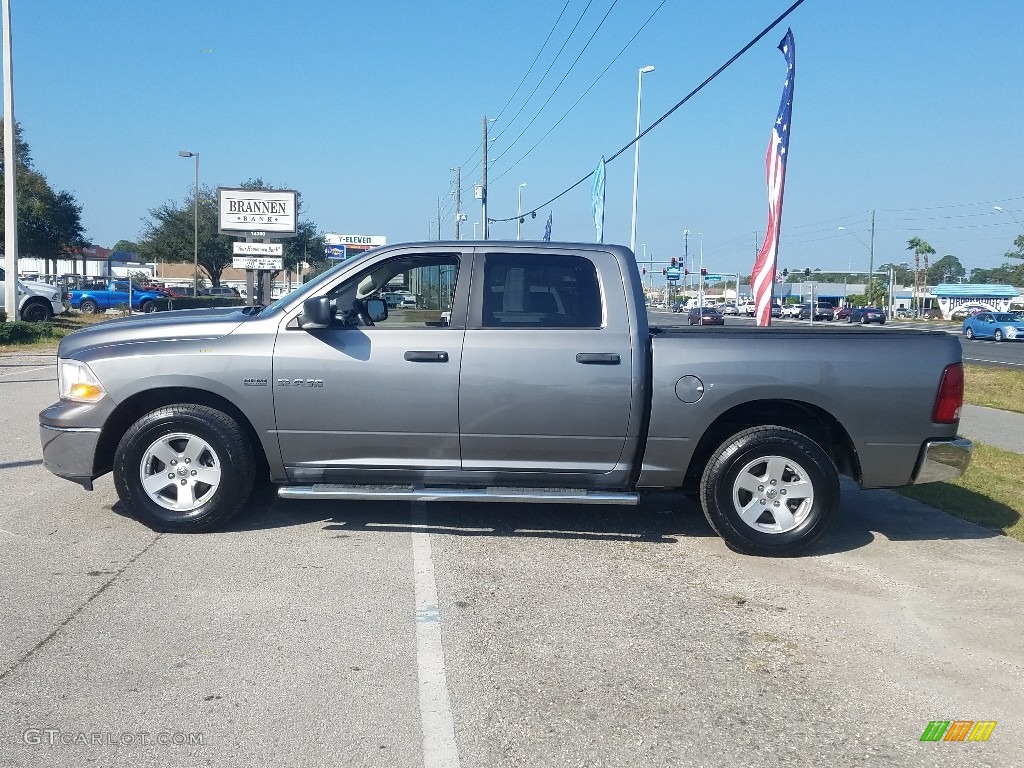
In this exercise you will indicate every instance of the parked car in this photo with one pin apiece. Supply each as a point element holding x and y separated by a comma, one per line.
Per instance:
<point>705,316</point>
<point>679,306</point>
<point>994,325</point>
<point>220,290</point>
<point>822,311</point>
<point>865,315</point>
<point>843,313</point>
<point>791,310</point>
<point>776,310</point>
<point>729,309</point>
<point>111,294</point>
<point>966,310</point>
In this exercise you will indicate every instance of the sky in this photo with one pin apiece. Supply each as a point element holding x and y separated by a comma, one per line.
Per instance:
<point>910,109</point>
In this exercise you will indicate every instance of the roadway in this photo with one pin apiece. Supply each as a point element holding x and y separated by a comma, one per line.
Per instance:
<point>446,635</point>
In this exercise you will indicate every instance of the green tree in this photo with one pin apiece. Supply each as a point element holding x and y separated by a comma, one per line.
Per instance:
<point>49,221</point>
<point>168,235</point>
<point>946,269</point>
<point>1019,245</point>
<point>126,245</point>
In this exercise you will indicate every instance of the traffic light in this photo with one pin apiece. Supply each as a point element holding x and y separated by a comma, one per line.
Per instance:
<point>686,271</point>
<point>785,273</point>
<point>643,270</point>
<point>703,272</point>
<point>673,262</point>
<point>664,271</point>
<point>807,272</point>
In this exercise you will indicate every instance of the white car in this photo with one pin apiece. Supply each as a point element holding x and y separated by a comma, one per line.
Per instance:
<point>791,310</point>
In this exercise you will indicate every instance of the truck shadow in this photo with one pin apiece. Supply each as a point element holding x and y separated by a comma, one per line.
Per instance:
<point>656,519</point>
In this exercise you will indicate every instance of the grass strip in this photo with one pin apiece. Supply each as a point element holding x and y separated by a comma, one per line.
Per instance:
<point>990,493</point>
<point>994,387</point>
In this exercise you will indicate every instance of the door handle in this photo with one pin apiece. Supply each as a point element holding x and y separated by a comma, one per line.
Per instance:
<point>598,358</point>
<point>417,356</point>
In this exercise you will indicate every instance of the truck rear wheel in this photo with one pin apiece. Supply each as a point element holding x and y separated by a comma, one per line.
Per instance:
<point>770,491</point>
<point>184,468</point>
<point>89,307</point>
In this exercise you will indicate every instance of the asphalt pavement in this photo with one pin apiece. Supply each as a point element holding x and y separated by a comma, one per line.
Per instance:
<point>390,634</point>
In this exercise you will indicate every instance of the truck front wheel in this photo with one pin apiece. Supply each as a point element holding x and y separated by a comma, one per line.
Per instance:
<point>770,491</point>
<point>36,312</point>
<point>184,468</point>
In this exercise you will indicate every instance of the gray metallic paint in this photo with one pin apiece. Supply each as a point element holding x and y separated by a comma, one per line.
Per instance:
<point>527,412</point>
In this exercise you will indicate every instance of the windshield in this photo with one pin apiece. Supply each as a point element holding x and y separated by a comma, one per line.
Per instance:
<point>1005,317</point>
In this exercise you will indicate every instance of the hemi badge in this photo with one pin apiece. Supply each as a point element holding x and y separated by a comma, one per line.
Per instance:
<point>254,382</point>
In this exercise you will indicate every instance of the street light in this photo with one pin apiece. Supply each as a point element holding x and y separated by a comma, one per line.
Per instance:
<point>519,210</point>
<point>870,286</point>
<point>195,225</point>
<point>1008,212</point>
<point>636,153</point>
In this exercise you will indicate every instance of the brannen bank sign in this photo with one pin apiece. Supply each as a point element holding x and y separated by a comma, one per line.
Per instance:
<point>248,211</point>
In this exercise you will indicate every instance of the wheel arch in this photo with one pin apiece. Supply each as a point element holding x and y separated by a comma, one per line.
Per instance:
<point>141,403</point>
<point>809,419</point>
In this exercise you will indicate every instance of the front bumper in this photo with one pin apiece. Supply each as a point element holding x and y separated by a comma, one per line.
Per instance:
<point>69,435</point>
<point>69,453</point>
<point>943,460</point>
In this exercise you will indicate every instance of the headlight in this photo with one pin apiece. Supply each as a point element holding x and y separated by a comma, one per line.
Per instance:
<point>77,382</point>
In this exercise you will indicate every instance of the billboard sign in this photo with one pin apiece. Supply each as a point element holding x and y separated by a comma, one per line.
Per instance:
<point>272,212</point>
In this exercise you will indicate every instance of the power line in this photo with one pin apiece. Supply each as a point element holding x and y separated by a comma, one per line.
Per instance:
<point>584,94</point>
<point>535,58</point>
<point>661,119</point>
<point>559,85</point>
<point>546,71</point>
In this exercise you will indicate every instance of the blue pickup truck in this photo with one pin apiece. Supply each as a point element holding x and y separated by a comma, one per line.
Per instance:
<point>112,294</point>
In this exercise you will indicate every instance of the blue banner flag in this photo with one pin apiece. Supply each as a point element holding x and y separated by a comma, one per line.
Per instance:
<point>547,228</point>
<point>597,199</point>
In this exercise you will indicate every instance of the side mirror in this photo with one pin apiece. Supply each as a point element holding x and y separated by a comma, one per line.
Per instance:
<point>377,309</point>
<point>316,313</point>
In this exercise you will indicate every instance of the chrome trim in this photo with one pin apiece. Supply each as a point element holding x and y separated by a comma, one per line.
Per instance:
<point>70,429</point>
<point>418,493</point>
<point>943,460</point>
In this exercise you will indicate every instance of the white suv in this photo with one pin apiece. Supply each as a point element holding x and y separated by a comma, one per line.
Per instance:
<point>36,301</point>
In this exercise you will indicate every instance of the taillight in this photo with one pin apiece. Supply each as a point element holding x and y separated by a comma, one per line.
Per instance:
<point>951,395</point>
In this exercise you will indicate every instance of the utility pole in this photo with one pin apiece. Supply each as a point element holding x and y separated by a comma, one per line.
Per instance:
<point>439,218</point>
<point>483,188</point>
<point>686,249</point>
<point>10,174</point>
<point>458,202</point>
<point>871,262</point>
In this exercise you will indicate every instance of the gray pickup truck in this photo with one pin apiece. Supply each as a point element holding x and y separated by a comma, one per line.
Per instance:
<point>525,371</point>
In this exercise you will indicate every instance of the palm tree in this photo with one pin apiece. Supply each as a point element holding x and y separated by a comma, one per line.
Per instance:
<point>920,248</point>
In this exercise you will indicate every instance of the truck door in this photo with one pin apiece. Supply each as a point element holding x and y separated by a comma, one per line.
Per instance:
<point>548,365</point>
<point>355,397</point>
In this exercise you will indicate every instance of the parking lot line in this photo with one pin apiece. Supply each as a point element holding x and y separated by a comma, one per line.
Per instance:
<point>439,747</point>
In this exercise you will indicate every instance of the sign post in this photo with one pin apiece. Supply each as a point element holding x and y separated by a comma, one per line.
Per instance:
<point>253,214</point>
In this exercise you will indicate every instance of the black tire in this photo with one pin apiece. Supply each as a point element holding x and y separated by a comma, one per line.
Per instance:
<point>37,312</point>
<point>849,319</point>
<point>793,514</point>
<point>997,335</point>
<point>153,447</point>
<point>863,319</point>
<point>882,321</point>
<point>147,306</point>
<point>969,332</point>
<point>89,307</point>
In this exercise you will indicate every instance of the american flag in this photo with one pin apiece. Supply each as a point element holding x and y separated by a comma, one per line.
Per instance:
<point>547,228</point>
<point>775,170</point>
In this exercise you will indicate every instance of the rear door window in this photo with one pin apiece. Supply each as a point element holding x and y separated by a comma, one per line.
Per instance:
<point>533,291</point>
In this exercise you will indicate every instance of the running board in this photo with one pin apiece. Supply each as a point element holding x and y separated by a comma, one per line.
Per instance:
<point>442,493</point>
